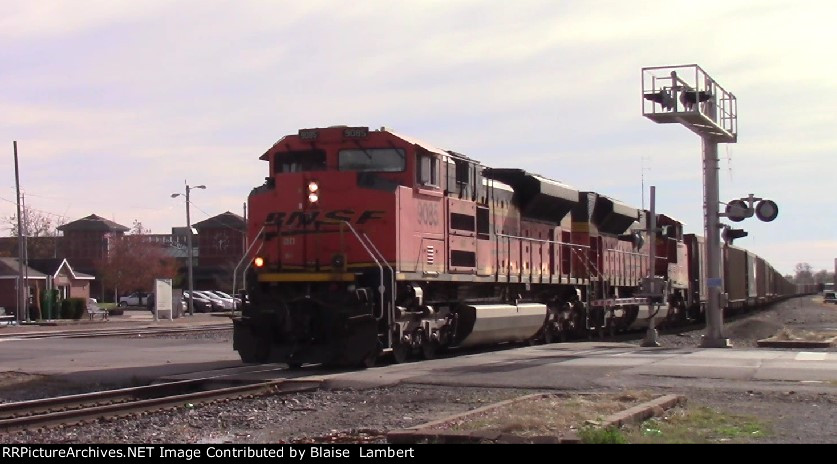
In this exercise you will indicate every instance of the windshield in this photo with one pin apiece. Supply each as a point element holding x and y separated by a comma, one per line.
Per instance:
<point>299,161</point>
<point>372,159</point>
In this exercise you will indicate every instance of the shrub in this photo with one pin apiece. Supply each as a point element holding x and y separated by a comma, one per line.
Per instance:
<point>49,304</point>
<point>65,310</point>
<point>73,308</point>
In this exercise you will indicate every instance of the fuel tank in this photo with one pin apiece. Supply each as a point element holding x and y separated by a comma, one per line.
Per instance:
<point>497,323</point>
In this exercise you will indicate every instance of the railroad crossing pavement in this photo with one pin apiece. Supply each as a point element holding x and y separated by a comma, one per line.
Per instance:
<point>584,365</point>
<point>580,365</point>
<point>590,364</point>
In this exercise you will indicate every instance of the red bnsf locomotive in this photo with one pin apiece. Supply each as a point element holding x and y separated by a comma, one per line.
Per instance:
<point>367,241</point>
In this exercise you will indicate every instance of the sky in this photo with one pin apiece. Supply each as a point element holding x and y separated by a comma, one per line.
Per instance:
<point>115,105</point>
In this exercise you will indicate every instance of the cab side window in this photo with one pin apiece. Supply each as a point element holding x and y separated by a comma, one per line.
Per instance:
<point>427,169</point>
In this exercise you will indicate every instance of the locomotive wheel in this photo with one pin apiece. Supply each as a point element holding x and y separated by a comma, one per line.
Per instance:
<point>400,353</point>
<point>429,349</point>
<point>548,336</point>
<point>256,352</point>
<point>369,360</point>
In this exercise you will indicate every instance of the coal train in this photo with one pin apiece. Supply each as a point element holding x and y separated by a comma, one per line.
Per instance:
<point>363,242</point>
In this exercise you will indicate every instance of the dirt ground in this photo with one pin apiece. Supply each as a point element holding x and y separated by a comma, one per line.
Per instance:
<point>803,314</point>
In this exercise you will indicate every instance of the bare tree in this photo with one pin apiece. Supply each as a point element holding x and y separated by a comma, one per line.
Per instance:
<point>804,274</point>
<point>35,223</point>
<point>40,230</point>
<point>823,276</point>
<point>134,262</point>
<point>138,229</point>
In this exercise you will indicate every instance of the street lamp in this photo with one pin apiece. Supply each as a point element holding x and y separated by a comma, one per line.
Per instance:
<point>189,244</point>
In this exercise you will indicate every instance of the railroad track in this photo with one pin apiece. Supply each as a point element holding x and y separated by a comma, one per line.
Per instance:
<point>84,407</point>
<point>115,332</point>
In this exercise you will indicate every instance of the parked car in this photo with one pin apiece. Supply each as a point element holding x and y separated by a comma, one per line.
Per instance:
<point>217,302</point>
<point>134,299</point>
<point>830,297</point>
<point>202,304</point>
<point>229,302</point>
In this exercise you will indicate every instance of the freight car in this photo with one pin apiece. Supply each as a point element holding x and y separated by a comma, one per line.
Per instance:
<point>368,241</point>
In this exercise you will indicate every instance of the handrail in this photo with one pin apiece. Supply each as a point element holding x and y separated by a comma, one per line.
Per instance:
<point>575,248</point>
<point>381,287</point>
<point>554,242</point>
<point>259,238</point>
<point>392,290</point>
<point>632,253</point>
<point>585,260</point>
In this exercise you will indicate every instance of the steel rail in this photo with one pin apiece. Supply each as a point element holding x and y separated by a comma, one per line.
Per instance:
<point>126,401</point>
<point>113,332</point>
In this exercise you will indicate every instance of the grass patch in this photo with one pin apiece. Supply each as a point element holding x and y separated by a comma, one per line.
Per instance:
<point>698,424</point>
<point>598,436</point>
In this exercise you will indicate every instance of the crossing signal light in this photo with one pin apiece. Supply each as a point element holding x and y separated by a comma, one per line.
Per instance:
<point>766,210</point>
<point>729,234</point>
<point>737,211</point>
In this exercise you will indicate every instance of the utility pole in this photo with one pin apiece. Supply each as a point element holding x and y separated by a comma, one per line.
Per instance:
<point>25,239</point>
<point>189,246</point>
<point>21,299</point>
<point>244,239</point>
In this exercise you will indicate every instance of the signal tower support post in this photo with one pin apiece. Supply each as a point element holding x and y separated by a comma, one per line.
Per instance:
<point>687,95</point>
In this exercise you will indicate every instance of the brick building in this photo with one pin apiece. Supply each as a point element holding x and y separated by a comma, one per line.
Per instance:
<point>221,242</point>
<point>41,275</point>
<point>86,242</point>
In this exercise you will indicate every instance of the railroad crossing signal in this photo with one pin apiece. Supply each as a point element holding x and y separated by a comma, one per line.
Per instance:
<point>687,95</point>
<point>738,210</point>
<point>767,210</point>
<point>729,234</point>
<point>635,238</point>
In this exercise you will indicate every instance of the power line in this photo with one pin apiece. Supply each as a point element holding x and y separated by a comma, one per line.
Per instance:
<point>60,216</point>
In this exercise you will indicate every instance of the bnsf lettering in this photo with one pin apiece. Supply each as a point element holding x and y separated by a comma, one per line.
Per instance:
<point>310,218</point>
<point>428,214</point>
<point>369,215</point>
<point>340,215</point>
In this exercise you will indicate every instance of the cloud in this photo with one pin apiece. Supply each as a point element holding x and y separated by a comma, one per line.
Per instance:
<point>115,104</point>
